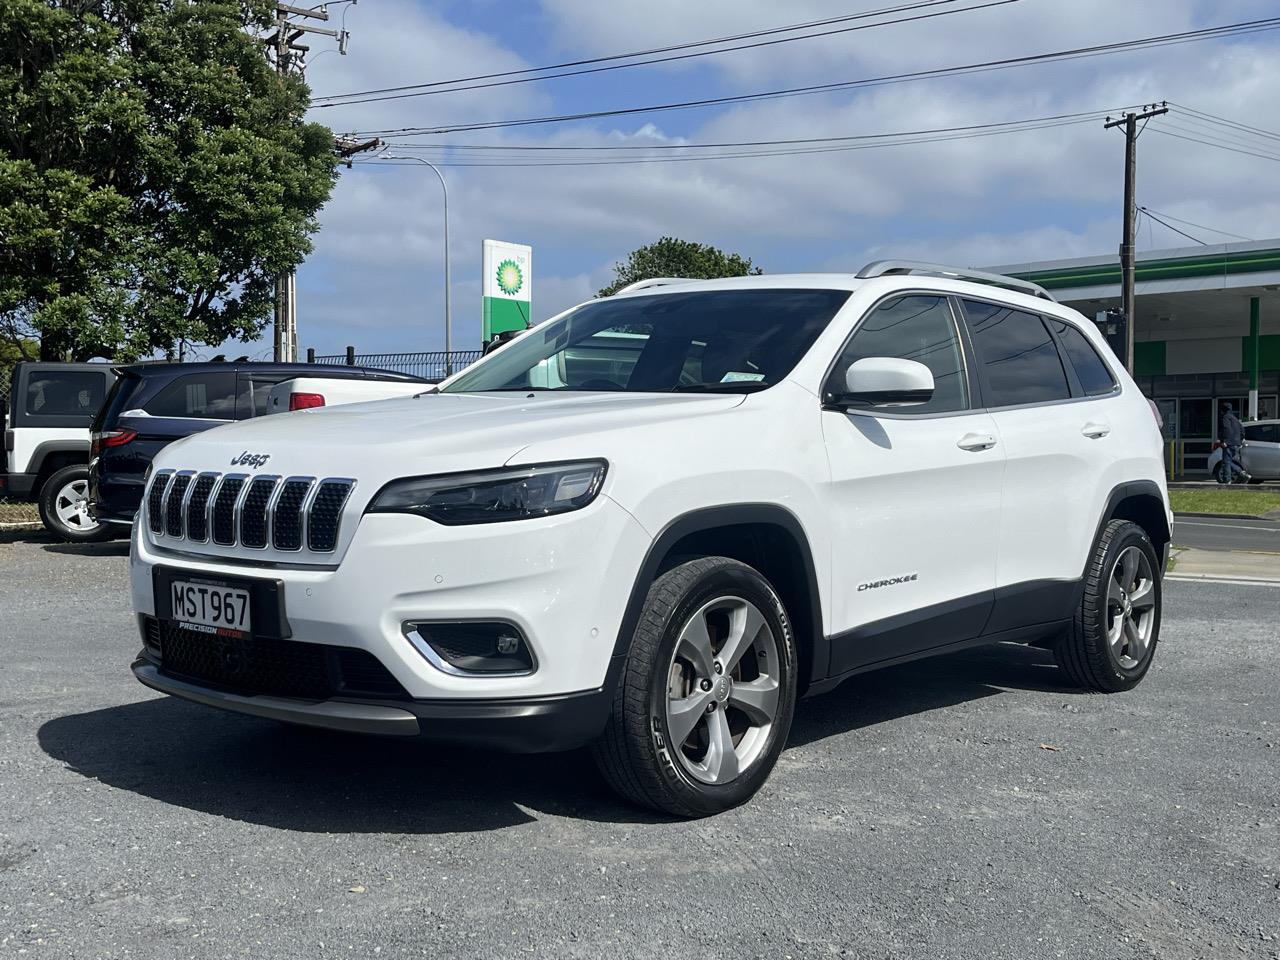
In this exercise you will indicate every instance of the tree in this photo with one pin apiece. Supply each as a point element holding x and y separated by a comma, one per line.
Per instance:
<point>670,257</point>
<point>155,174</point>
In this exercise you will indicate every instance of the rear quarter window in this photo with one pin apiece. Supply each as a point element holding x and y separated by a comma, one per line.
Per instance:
<point>199,396</point>
<point>1094,375</point>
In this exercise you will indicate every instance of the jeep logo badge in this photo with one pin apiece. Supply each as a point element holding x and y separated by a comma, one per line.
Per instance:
<point>254,460</point>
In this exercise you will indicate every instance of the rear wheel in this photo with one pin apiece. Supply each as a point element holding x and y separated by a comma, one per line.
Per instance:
<point>1113,637</point>
<point>704,704</point>
<point>64,506</point>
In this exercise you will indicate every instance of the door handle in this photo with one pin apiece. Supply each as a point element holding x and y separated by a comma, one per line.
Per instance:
<point>976,441</point>
<point>1095,431</point>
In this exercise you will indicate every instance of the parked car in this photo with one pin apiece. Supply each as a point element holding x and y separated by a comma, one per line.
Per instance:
<point>154,404</point>
<point>1259,454</point>
<point>46,442</point>
<point>303,393</point>
<point>788,481</point>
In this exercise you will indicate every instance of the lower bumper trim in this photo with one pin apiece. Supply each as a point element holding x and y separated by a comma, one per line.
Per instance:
<point>330,714</point>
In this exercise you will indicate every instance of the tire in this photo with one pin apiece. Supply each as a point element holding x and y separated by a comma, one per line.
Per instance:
<point>63,506</point>
<point>1113,636</point>
<point>670,682</point>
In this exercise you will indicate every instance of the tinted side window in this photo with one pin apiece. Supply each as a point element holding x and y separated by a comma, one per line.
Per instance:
<point>65,394</point>
<point>1263,433</point>
<point>919,328</point>
<point>1020,359</point>
<point>1095,377</point>
<point>205,396</point>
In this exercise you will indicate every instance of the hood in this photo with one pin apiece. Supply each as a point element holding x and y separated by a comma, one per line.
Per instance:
<point>430,433</point>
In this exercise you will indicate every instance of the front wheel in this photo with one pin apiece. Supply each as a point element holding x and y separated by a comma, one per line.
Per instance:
<point>704,704</point>
<point>1112,639</point>
<point>64,506</point>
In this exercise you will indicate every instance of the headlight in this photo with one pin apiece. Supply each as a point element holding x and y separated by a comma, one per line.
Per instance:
<point>492,496</point>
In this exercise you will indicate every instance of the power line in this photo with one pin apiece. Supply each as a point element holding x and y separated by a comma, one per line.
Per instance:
<point>1271,134</point>
<point>902,139</point>
<point>1162,40</point>
<point>1082,115</point>
<point>1198,226</point>
<point>1220,146</point>
<point>649,52</point>
<point>391,95</point>
<point>1152,216</point>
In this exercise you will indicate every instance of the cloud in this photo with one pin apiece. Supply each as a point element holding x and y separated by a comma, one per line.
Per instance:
<point>376,276</point>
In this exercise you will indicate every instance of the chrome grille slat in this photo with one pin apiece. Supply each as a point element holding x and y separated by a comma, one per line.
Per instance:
<point>224,509</point>
<point>326,514</point>
<point>288,514</point>
<point>253,526</point>
<point>174,500</point>
<point>155,500</point>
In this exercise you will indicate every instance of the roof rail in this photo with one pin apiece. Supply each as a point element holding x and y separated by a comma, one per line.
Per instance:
<point>651,282</point>
<point>881,268</point>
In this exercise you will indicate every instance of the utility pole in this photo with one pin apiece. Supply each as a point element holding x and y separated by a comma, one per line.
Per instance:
<point>288,55</point>
<point>1127,256</point>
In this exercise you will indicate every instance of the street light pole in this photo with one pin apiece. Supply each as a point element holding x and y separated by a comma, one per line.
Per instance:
<point>448,300</point>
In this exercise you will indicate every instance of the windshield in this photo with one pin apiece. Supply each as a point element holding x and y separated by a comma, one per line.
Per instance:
<point>710,341</point>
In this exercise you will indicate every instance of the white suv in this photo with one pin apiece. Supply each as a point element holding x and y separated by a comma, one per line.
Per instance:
<point>653,522</point>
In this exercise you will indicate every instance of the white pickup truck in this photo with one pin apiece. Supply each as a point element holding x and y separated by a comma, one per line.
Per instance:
<point>302,393</point>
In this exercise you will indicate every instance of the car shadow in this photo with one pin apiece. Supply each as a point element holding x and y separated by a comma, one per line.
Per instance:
<point>104,548</point>
<point>293,778</point>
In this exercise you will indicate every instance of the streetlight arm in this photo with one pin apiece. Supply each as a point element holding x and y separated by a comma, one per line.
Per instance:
<point>448,300</point>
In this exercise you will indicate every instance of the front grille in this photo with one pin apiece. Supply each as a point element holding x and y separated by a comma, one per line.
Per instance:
<point>287,513</point>
<point>326,514</point>
<point>253,514</point>
<point>173,508</point>
<point>198,508</point>
<point>155,500</point>
<point>279,668</point>
<point>224,510</point>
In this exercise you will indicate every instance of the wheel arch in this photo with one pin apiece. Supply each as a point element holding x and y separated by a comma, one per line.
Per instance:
<point>53,455</point>
<point>764,536</point>
<point>1140,502</point>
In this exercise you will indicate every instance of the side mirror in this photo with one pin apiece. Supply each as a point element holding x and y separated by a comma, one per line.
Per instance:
<point>877,381</point>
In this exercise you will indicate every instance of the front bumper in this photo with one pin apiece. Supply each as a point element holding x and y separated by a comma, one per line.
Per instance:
<point>530,725</point>
<point>563,581</point>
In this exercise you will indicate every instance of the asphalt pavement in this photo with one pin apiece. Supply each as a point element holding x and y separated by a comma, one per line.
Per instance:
<point>1223,533</point>
<point>967,807</point>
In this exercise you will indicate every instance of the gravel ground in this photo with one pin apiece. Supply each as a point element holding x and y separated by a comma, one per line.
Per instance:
<point>966,807</point>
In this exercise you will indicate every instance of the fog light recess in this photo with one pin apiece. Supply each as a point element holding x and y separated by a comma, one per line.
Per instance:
<point>472,648</point>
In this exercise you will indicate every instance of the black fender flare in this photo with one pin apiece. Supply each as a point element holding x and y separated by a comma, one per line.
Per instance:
<point>44,450</point>
<point>1125,491</point>
<point>708,518</point>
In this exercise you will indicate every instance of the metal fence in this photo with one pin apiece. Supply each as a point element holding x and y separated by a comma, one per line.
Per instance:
<point>431,364</point>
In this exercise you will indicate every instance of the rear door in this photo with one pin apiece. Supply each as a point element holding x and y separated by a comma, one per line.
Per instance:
<point>1261,451</point>
<point>914,497</point>
<point>1059,444</point>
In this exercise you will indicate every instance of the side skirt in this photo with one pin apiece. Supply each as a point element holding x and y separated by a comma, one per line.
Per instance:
<point>1017,613</point>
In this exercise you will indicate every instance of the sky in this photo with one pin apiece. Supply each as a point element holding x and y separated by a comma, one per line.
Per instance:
<point>375,278</point>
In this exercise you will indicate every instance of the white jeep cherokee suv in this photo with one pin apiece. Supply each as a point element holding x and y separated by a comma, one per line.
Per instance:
<point>653,522</point>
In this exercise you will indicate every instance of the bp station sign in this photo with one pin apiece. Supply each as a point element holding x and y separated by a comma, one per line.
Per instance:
<point>508,279</point>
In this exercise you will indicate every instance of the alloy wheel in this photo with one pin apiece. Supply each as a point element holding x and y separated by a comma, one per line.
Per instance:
<point>1131,607</point>
<point>723,689</point>
<point>71,507</point>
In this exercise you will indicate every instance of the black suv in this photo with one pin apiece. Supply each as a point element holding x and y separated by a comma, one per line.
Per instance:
<point>154,404</point>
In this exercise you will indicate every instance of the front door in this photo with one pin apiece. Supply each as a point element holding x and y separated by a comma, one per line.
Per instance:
<point>914,497</point>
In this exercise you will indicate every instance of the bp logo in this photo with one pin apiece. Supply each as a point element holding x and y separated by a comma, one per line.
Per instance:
<point>510,279</point>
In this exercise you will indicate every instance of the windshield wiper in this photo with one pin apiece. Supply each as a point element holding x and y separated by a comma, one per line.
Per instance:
<point>738,386</point>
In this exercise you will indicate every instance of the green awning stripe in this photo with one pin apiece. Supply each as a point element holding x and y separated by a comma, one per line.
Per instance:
<point>1101,274</point>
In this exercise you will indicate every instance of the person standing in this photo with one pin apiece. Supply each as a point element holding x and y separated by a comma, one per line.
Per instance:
<point>1231,433</point>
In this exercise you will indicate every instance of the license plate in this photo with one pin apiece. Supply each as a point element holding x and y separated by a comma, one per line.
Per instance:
<point>210,605</point>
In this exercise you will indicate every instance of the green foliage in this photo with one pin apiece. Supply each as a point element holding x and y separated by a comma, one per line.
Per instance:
<point>670,257</point>
<point>155,174</point>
